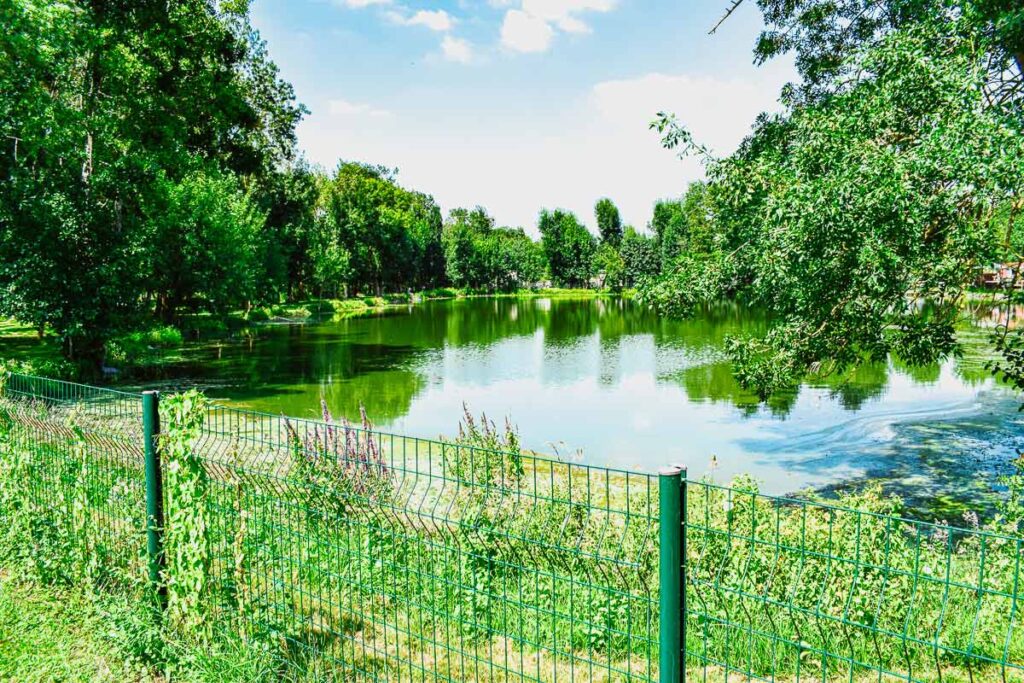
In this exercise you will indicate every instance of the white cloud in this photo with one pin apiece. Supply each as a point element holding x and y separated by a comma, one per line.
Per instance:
<point>456,50</point>
<point>595,145</point>
<point>525,32</point>
<point>345,108</point>
<point>435,20</point>
<point>359,4</point>
<point>531,27</point>
<point>573,25</point>
<point>556,10</point>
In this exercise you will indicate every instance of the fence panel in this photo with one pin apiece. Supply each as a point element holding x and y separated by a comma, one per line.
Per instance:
<point>787,589</point>
<point>404,559</point>
<point>354,554</point>
<point>75,477</point>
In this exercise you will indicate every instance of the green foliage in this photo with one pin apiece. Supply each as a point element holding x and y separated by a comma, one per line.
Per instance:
<point>569,248</point>
<point>479,256</point>
<point>858,221</point>
<point>57,635</point>
<point>485,546</point>
<point>669,227</point>
<point>375,235</point>
<point>684,226</point>
<point>187,532</point>
<point>640,258</point>
<point>484,455</point>
<point>58,368</point>
<point>610,266</point>
<point>96,146</point>
<point>825,35</point>
<point>609,222</point>
<point>337,466</point>
<point>205,249</point>
<point>288,196</point>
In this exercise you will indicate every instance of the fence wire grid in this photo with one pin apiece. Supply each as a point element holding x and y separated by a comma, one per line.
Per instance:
<point>355,554</point>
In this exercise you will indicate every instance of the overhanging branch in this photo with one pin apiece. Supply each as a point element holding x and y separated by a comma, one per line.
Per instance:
<point>728,13</point>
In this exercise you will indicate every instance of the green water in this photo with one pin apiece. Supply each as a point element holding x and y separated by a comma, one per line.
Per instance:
<point>607,382</point>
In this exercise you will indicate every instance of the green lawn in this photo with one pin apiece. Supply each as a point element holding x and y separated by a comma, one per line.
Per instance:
<point>22,342</point>
<point>51,635</point>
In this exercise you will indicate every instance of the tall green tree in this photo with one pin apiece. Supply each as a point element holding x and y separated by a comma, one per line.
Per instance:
<point>392,235</point>
<point>859,219</point>
<point>206,244</point>
<point>104,108</point>
<point>481,256</point>
<point>668,223</point>
<point>288,195</point>
<point>466,258</point>
<point>610,267</point>
<point>640,258</point>
<point>609,222</point>
<point>569,248</point>
<point>825,37</point>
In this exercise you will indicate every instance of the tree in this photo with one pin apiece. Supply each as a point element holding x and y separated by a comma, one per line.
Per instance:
<point>683,226</point>
<point>569,248</point>
<point>640,259</point>
<point>859,220</point>
<point>610,267</point>
<point>206,232</point>
<point>827,35</point>
<point>463,238</point>
<point>668,223</point>
<point>480,256</point>
<point>519,261</point>
<point>288,195</point>
<point>104,109</point>
<point>392,235</point>
<point>609,223</point>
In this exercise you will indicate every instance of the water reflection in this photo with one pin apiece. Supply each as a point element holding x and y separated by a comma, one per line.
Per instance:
<point>626,387</point>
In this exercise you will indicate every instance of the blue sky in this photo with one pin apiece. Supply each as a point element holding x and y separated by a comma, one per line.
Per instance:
<point>519,105</point>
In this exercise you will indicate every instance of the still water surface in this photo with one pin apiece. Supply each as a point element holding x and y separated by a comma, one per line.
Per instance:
<point>608,382</point>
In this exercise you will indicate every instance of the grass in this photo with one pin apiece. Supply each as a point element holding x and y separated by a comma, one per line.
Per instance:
<point>56,635</point>
<point>22,342</point>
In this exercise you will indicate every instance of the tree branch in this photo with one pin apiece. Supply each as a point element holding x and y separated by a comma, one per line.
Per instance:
<point>728,13</point>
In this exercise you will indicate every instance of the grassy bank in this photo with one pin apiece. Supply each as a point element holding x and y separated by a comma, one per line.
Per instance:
<point>49,634</point>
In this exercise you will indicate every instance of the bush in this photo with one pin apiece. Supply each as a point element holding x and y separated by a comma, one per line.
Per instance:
<point>142,347</point>
<point>440,293</point>
<point>258,315</point>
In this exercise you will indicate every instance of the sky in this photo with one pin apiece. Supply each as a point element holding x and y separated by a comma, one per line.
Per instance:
<point>521,105</point>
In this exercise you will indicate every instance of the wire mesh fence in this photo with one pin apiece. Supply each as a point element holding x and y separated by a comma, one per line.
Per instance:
<point>412,559</point>
<point>788,589</point>
<point>73,478</point>
<point>354,554</point>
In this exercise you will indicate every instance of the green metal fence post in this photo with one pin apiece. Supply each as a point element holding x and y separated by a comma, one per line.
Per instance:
<point>672,606</point>
<point>154,494</point>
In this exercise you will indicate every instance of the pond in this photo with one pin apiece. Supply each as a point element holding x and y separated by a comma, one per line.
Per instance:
<point>607,382</point>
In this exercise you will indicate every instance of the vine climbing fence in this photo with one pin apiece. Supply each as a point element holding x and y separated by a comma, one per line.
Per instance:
<point>352,554</point>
